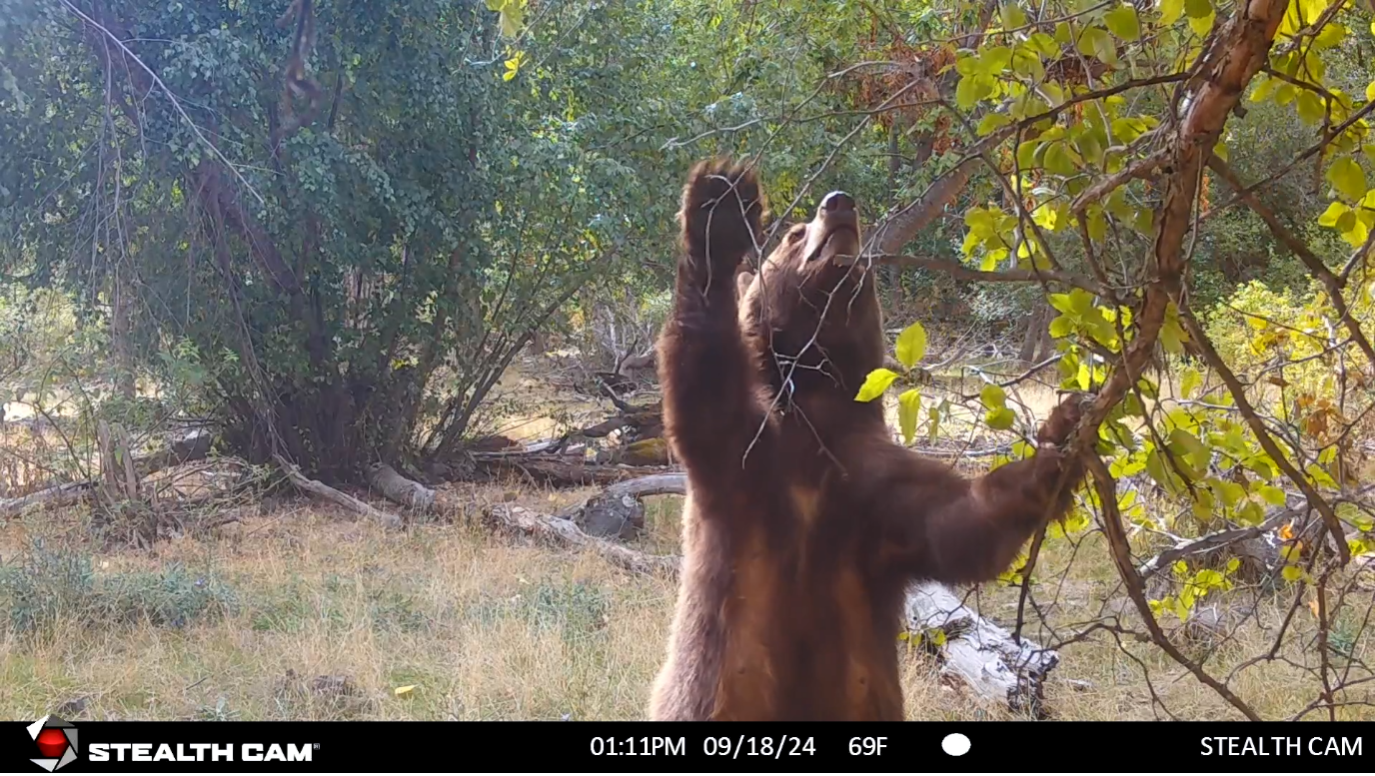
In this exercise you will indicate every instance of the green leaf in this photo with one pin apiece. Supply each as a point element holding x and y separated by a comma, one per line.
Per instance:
<point>1347,177</point>
<point>1172,335</point>
<point>991,122</point>
<point>1330,35</point>
<point>1251,513</point>
<point>1198,9</point>
<point>1001,419</point>
<point>1123,22</point>
<point>911,346</point>
<point>1319,476</point>
<point>1310,107</point>
<point>1014,18</point>
<point>967,92</point>
<point>1057,159</point>
<point>1096,42</point>
<point>1190,381</point>
<point>909,404</point>
<point>1292,573</point>
<point>993,397</point>
<point>994,60</point>
<point>1170,11</point>
<point>875,384</point>
<point>1061,327</point>
<point>1043,44</point>
<point>1271,494</point>
<point>1195,452</point>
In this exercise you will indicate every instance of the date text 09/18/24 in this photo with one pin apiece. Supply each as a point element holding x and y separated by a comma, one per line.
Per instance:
<point>734,747</point>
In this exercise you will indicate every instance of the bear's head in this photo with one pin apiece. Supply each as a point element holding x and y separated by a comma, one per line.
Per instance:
<point>811,311</point>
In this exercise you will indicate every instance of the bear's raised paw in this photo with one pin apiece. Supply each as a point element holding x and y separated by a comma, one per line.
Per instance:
<point>722,210</point>
<point>1063,420</point>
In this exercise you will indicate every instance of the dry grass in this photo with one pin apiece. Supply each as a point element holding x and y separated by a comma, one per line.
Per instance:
<point>486,629</point>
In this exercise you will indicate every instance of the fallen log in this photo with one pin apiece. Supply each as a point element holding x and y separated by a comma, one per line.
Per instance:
<point>982,655</point>
<point>563,532</point>
<point>321,490</point>
<point>399,489</point>
<point>642,452</point>
<point>64,495</point>
<point>619,511</point>
<point>558,471</point>
<point>979,653</point>
<point>195,445</point>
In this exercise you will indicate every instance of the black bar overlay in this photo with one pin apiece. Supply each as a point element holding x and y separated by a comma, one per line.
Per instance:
<point>956,747</point>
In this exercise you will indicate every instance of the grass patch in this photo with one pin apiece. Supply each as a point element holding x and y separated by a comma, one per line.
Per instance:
<point>43,586</point>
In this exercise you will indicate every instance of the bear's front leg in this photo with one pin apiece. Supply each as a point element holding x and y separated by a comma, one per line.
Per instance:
<point>711,414</point>
<point>943,527</point>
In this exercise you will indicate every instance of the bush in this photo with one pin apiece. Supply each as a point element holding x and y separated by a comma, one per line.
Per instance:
<point>45,586</point>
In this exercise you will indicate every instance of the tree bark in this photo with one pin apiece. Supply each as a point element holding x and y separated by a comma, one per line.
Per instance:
<point>125,383</point>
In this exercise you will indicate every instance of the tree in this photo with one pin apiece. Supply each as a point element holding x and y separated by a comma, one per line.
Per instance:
<point>1104,124</point>
<point>330,206</point>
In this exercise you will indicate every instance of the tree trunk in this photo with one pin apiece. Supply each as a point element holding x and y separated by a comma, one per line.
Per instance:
<point>120,301</point>
<point>892,272</point>
<point>1036,342</point>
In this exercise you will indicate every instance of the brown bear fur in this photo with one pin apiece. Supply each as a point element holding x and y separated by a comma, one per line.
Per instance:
<point>804,522</point>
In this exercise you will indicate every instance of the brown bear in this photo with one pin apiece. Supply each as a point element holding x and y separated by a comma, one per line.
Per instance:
<point>804,521</point>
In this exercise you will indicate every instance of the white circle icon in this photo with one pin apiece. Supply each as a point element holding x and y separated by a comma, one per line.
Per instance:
<point>955,744</point>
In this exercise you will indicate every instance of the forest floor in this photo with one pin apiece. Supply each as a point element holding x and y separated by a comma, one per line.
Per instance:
<point>306,612</point>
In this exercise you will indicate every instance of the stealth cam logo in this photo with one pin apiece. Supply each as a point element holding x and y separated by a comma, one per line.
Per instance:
<point>56,741</point>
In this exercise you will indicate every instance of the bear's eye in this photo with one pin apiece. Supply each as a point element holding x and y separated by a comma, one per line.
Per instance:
<point>796,234</point>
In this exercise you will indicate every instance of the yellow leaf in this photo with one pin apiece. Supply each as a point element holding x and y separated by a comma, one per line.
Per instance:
<point>406,691</point>
<point>993,397</point>
<point>1170,11</point>
<point>1123,23</point>
<point>1313,607</point>
<point>911,346</point>
<point>1347,177</point>
<point>1000,419</point>
<point>1333,214</point>
<point>1014,18</point>
<point>1287,531</point>
<point>875,384</point>
<point>909,404</point>
<point>1190,381</point>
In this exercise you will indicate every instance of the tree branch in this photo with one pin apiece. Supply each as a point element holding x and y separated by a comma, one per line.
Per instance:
<point>1267,443</point>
